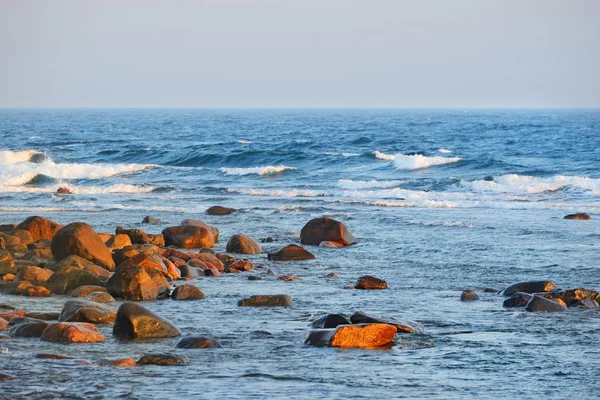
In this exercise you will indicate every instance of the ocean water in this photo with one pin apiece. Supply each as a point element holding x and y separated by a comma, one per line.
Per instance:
<point>440,201</point>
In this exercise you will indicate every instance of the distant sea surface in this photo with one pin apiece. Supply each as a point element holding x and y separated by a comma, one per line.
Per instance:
<point>440,201</point>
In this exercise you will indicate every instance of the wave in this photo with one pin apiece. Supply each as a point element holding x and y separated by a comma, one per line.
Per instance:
<point>418,161</point>
<point>383,156</point>
<point>525,184</point>
<point>444,151</point>
<point>268,170</point>
<point>14,157</point>
<point>351,184</point>
<point>280,192</point>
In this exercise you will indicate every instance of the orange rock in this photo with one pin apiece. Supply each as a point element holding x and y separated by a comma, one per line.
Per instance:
<point>150,261</point>
<point>63,190</point>
<point>9,277</point>
<point>37,291</point>
<point>211,260</point>
<point>363,335</point>
<point>188,237</point>
<point>40,228</point>
<point>288,278</point>
<point>74,332</point>
<point>11,314</point>
<point>35,275</point>
<point>173,272</point>
<point>118,362</point>
<point>243,244</point>
<point>3,324</point>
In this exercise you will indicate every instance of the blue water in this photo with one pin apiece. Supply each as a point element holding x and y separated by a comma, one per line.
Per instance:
<point>439,200</point>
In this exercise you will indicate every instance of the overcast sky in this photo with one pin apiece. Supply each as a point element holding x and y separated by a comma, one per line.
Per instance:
<point>300,53</point>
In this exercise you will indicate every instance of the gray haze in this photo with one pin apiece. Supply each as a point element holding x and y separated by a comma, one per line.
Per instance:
<point>303,53</point>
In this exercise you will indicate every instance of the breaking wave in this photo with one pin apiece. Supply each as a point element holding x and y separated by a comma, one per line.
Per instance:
<point>263,171</point>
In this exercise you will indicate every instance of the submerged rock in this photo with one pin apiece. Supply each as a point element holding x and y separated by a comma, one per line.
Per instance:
<point>242,244</point>
<point>187,292</point>
<point>162,359</point>
<point>291,252</point>
<point>325,229</point>
<point>219,210</point>
<point>401,326</point>
<point>72,332</point>
<point>26,327</point>
<point>578,216</point>
<point>80,239</point>
<point>469,295</point>
<point>87,311</point>
<point>368,282</point>
<point>134,321</point>
<point>277,300</point>
<point>150,220</point>
<point>518,299</point>
<point>197,342</point>
<point>329,321</point>
<point>117,362</point>
<point>529,287</point>
<point>540,304</point>
<point>353,336</point>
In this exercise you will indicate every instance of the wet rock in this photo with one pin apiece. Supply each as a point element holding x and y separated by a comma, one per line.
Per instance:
<point>540,304</point>
<point>197,342</point>
<point>195,222</point>
<point>117,362</point>
<point>210,260</point>
<point>150,261</point>
<point>100,297</point>
<point>6,377</point>
<point>87,311</point>
<point>325,229</point>
<point>72,332</point>
<point>3,324</point>
<point>291,252</point>
<point>329,321</point>
<point>212,272</point>
<point>529,287</point>
<point>178,262</point>
<point>218,210</point>
<point>188,237</point>
<point>268,239</point>
<point>9,277</point>
<point>8,315</point>
<point>579,216</point>
<point>254,278</point>
<point>26,327</point>
<point>48,356</point>
<point>7,264</point>
<point>173,273</point>
<point>118,241</point>
<point>34,275</point>
<point>187,292</point>
<point>44,316</point>
<point>491,290</point>
<point>189,272</point>
<point>69,278</point>
<point>573,296</point>
<point>63,190</point>
<point>80,239</point>
<point>288,278</point>
<point>585,303</point>
<point>138,236</point>
<point>138,283</point>
<point>40,228</point>
<point>134,321</point>
<point>242,244</point>
<point>518,299</point>
<point>17,288</point>
<point>353,336</point>
<point>37,291</point>
<point>401,326</point>
<point>4,307</point>
<point>329,244</point>
<point>81,263</point>
<point>83,291</point>
<point>150,220</point>
<point>278,300</point>
<point>368,282</point>
<point>163,359</point>
<point>240,265</point>
<point>332,275</point>
<point>469,295</point>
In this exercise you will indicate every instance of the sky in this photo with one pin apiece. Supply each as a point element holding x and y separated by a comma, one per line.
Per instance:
<point>300,53</point>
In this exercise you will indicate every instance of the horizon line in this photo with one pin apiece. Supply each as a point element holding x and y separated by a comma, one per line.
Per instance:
<point>285,108</point>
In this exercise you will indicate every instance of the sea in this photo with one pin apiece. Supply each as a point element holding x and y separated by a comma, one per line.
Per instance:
<point>439,200</point>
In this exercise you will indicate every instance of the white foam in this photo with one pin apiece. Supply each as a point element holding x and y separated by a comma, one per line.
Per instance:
<point>243,141</point>
<point>13,157</point>
<point>279,192</point>
<point>268,170</point>
<point>350,154</point>
<point>444,151</point>
<point>354,185</point>
<point>524,184</point>
<point>418,161</point>
<point>383,156</point>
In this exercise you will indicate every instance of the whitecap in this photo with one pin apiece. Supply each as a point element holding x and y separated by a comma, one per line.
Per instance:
<point>525,184</point>
<point>243,141</point>
<point>383,156</point>
<point>444,151</point>
<point>418,161</point>
<point>268,170</point>
<point>13,157</point>
<point>351,184</point>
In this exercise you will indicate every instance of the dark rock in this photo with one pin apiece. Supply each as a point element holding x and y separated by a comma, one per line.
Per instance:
<point>578,216</point>
<point>138,236</point>
<point>44,316</point>
<point>401,326</point>
<point>587,303</point>
<point>187,292</point>
<point>218,210</point>
<point>7,264</point>
<point>325,229</point>
<point>330,321</point>
<point>87,311</point>
<point>40,228</point>
<point>491,290</point>
<point>69,278</point>
<point>573,296</point>
<point>26,327</point>
<point>134,321</point>
<point>138,283</point>
<point>277,300</point>
<point>368,282</point>
<point>117,362</point>
<point>72,332</point>
<point>100,297</point>
<point>163,359</point>
<point>150,220</point>
<point>80,239</point>
<point>518,299</point>
<point>291,252</point>
<point>81,263</point>
<point>6,377</point>
<point>84,291</point>
<point>63,190</point>
<point>267,240</point>
<point>529,287</point>
<point>189,272</point>
<point>37,291</point>
<point>540,304</point>
<point>469,295</point>
<point>242,244</point>
<point>48,356</point>
<point>254,278</point>
<point>353,336</point>
<point>212,272</point>
<point>188,237</point>
<point>197,342</point>
<point>288,278</point>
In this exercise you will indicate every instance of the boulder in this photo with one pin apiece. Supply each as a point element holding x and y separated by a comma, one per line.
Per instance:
<point>353,336</point>
<point>26,327</point>
<point>118,241</point>
<point>83,291</point>
<point>291,252</point>
<point>72,332</point>
<point>572,296</point>
<point>9,277</point>
<point>117,362</point>
<point>8,315</point>
<point>40,228</point>
<point>173,273</point>
<point>150,261</point>
<point>329,321</point>
<point>3,324</point>
<point>7,264</point>
<point>81,263</point>
<point>529,287</point>
<point>44,316</point>
<point>138,283</point>
<point>240,265</point>
<point>218,210</point>
<point>134,321</point>
<point>69,278</point>
<point>37,291</point>
<point>38,255</point>
<point>401,326</point>
<point>150,220</point>
<point>195,222</point>
<point>162,359</point>
<point>469,295</point>
<point>578,216</point>
<point>87,311</point>
<point>277,300</point>
<point>330,244</point>
<point>242,244</point>
<point>587,303</point>
<point>80,239</point>
<point>518,299</point>
<point>138,236</point>
<point>23,235</point>
<point>100,297</point>
<point>34,275</point>
<point>188,237</point>
<point>197,342</point>
<point>209,259</point>
<point>9,240</point>
<point>187,292</point>
<point>325,229</point>
<point>189,272</point>
<point>369,282</point>
<point>540,304</point>
<point>121,255</point>
<point>63,190</point>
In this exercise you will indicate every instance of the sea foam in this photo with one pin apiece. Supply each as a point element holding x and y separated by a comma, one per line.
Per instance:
<point>525,184</point>
<point>415,161</point>
<point>353,185</point>
<point>268,170</point>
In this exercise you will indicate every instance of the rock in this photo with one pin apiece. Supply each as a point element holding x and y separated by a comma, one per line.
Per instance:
<point>9,240</point>
<point>491,290</point>
<point>469,295</point>
<point>268,239</point>
<point>173,273</point>
<point>187,292</point>
<point>72,332</point>
<point>150,261</point>
<point>44,316</point>
<point>540,304</point>
<point>7,264</point>
<point>332,275</point>
<point>197,342</point>
<point>291,252</point>
<point>38,255</point>
<point>138,283</point>
<point>6,377</point>
<point>24,236</point>
<point>325,229</point>
<point>83,291</point>
<point>162,359</point>
<point>240,265</point>
<point>518,299</point>
<point>242,244</point>
<point>69,278</point>
<point>195,222</point>
<point>572,296</point>
<point>34,275</point>
<point>81,263</point>
<point>80,239</point>
<point>188,237</point>
<point>330,244</point>
<point>209,259</point>
<point>6,307</point>
<point>3,324</point>
<point>218,210</point>
<point>585,303</point>
<point>138,236</point>
<point>212,272</point>
<point>353,336</point>
<point>40,228</point>
<point>41,244</point>
<point>8,315</point>
<point>189,272</point>
<point>401,326</point>
<point>368,282</point>
<point>50,356</point>
<point>87,311</point>
<point>578,216</point>
<point>37,291</point>
<point>117,362</point>
<point>121,255</point>
<point>100,297</point>
<point>136,322</point>
<point>329,321</point>
<point>118,241</point>
<point>18,288</point>
<point>277,300</point>
<point>9,277</point>
<point>63,190</point>
<point>529,287</point>
<point>150,220</point>
<point>254,278</point>
<point>288,278</point>
<point>2,243</point>
<point>26,327</point>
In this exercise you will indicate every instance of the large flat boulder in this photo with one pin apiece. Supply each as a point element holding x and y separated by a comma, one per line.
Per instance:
<point>72,332</point>
<point>325,229</point>
<point>80,239</point>
<point>353,336</point>
<point>188,237</point>
<point>273,300</point>
<point>40,228</point>
<point>87,311</point>
<point>290,253</point>
<point>529,287</point>
<point>134,321</point>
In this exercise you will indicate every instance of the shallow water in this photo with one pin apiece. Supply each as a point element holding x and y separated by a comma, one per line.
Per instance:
<point>430,226</point>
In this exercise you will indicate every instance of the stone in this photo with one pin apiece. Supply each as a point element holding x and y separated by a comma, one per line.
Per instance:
<point>368,282</point>
<point>254,278</point>
<point>188,237</point>
<point>80,239</point>
<point>38,255</point>
<point>330,244</point>
<point>26,327</point>
<point>37,291</point>
<point>268,239</point>
<point>209,259</point>
<point>469,295</point>
<point>2,243</point>
<point>9,277</point>
<point>138,236</point>
<point>291,252</point>
<point>197,342</point>
<point>163,359</point>
<point>573,296</point>
<point>187,292</point>
<point>23,235</point>
<point>189,272</point>
<point>138,283</point>
<point>134,321</point>
<point>150,220</point>
<point>34,275</point>
<point>100,297</point>
<point>196,222</point>
<point>117,362</point>
<point>173,273</point>
<point>329,321</point>
<point>529,287</point>
<point>19,288</point>
<point>401,326</point>
<point>6,377</point>
<point>240,265</point>
<point>9,240</point>
<point>212,272</point>
<point>87,311</point>
<point>518,299</point>
<point>8,315</point>
<point>72,332</point>
<point>219,210</point>
<point>83,291</point>
<point>50,356</point>
<point>3,324</point>
<point>150,261</point>
<point>353,336</point>
<point>118,241</point>
<point>44,316</point>
<point>81,263</point>
<point>277,300</point>
<point>579,216</point>
<point>332,275</point>
<point>540,304</point>
<point>491,290</point>
<point>7,264</point>
<point>69,278</point>
<point>40,228</point>
<point>63,190</point>
<point>325,229</point>
<point>242,244</point>
<point>585,303</point>
<point>288,278</point>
